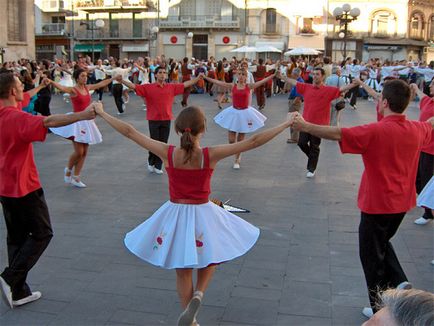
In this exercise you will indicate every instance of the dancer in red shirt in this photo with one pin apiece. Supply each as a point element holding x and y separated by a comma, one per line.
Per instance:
<point>83,133</point>
<point>390,150</point>
<point>240,118</point>
<point>189,231</point>
<point>24,208</point>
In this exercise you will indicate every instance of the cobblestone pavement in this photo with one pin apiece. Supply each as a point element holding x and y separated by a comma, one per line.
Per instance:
<point>304,270</point>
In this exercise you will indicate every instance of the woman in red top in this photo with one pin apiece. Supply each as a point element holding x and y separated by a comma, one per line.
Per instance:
<point>81,133</point>
<point>240,118</point>
<point>190,232</point>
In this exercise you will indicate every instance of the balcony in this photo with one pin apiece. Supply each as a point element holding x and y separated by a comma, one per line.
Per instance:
<point>113,34</point>
<point>52,5</point>
<point>52,29</point>
<point>191,22</point>
<point>307,31</point>
<point>115,5</point>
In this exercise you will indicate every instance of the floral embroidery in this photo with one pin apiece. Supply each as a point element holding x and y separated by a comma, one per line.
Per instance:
<point>199,242</point>
<point>159,241</point>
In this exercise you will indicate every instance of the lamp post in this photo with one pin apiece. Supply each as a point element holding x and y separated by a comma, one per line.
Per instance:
<point>97,24</point>
<point>345,15</point>
<point>152,36</point>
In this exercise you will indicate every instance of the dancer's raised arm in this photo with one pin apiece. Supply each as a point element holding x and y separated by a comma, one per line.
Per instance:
<point>218,82</point>
<point>261,82</point>
<point>126,129</point>
<point>220,152</point>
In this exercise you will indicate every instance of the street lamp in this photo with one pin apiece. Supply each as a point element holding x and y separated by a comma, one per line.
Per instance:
<point>345,15</point>
<point>152,36</point>
<point>97,24</point>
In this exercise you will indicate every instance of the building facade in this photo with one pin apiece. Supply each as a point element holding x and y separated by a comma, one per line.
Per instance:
<point>17,38</point>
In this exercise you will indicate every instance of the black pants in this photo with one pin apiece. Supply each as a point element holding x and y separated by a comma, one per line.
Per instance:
<point>42,105</point>
<point>380,264</point>
<point>159,130</point>
<point>353,94</point>
<point>310,146</point>
<point>425,172</point>
<point>117,96</point>
<point>99,91</point>
<point>28,234</point>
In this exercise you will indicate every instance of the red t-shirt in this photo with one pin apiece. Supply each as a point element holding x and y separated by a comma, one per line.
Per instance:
<point>426,112</point>
<point>159,99</point>
<point>379,115</point>
<point>18,129</point>
<point>390,150</point>
<point>317,102</point>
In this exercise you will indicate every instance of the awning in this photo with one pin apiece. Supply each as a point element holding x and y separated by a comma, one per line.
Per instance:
<point>135,47</point>
<point>88,47</point>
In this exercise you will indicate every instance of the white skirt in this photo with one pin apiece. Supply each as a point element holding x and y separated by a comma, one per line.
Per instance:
<point>373,83</point>
<point>244,121</point>
<point>426,197</point>
<point>191,236</point>
<point>84,131</point>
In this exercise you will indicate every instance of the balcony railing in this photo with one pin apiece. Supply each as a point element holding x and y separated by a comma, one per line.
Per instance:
<point>53,29</point>
<point>113,3</point>
<point>200,22</point>
<point>110,34</point>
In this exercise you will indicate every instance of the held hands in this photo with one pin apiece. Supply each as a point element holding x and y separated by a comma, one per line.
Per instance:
<point>298,123</point>
<point>45,82</point>
<point>118,78</point>
<point>99,108</point>
<point>89,113</point>
<point>414,88</point>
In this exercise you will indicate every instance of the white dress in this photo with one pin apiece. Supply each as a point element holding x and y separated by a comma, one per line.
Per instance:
<point>191,235</point>
<point>240,120</point>
<point>426,197</point>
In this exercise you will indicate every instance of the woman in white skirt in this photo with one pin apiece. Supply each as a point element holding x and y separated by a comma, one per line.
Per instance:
<point>426,198</point>
<point>82,133</point>
<point>188,231</point>
<point>240,118</point>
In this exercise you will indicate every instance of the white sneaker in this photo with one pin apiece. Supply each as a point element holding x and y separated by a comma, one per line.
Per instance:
<point>310,174</point>
<point>236,166</point>
<point>7,293</point>
<point>421,221</point>
<point>33,297</point>
<point>367,312</point>
<point>151,168</point>
<point>67,178</point>
<point>188,316</point>
<point>157,171</point>
<point>75,181</point>
<point>404,286</point>
<point>123,107</point>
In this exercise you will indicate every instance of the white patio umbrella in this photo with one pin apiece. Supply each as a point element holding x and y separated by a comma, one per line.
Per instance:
<point>302,51</point>
<point>267,48</point>
<point>244,49</point>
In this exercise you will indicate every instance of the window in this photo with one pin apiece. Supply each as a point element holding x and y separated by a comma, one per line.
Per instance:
<point>137,25</point>
<point>113,25</point>
<point>416,25</point>
<point>188,8</point>
<point>270,20</point>
<point>383,23</point>
<point>431,30</point>
<point>58,19</point>
<point>307,26</point>
<point>16,11</point>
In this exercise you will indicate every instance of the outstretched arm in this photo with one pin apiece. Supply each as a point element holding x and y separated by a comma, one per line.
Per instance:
<point>417,91</point>
<point>59,120</point>
<point>157,147</point>
<point>345,88</point>
<point>220,152</point>
<point>45,82</point>
<point>127,83</point>
<point>218,82</point>
<point>64,89</point>
<point>367,88</point>
<point>261,82</point>
<point>193,81</point>
<point>99,85</point>
<point>292,82</point>
<point>326,132</point>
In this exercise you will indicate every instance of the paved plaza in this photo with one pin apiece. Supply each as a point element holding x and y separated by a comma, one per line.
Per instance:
<point>304,270</point>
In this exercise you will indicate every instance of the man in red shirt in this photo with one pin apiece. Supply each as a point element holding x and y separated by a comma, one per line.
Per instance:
<point>159,100</point>
<point>426,160</point>
<point>390,150</point>
<point>25,210</point>
<point>317,99</point>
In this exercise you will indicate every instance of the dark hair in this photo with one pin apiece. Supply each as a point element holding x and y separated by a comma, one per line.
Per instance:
<point>189,123</point>
<point>77,73</point>
<point>320,69</point>
<point>219,66</point>
<point>397,93</point>
<point>7,81</point>
<point>185,60</point>
<point>158,69</point>
<point>326,60</point>
<point>261,61</point>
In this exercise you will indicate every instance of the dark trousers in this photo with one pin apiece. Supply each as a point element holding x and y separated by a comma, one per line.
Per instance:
<point>185,95</point>
<point>260,96</point>
<point>158,130</point>
<point>28,234</point>
<point>117,96</point>
<point>309,144</point>
<point>353,94</point>
<point>42,105</point>
<point>425,172</point>
<point>99,91</point>
<point>380,264</point>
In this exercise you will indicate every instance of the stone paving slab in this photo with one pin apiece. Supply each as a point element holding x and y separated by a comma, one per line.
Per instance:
<point>304,270</point>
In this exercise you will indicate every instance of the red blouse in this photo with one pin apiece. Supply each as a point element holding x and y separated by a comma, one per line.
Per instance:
<point>80,102</point>
<point>189,184</point>
<point>240,97</point>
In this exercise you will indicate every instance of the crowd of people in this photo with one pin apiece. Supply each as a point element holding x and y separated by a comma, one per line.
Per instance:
<point>186,232</point>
